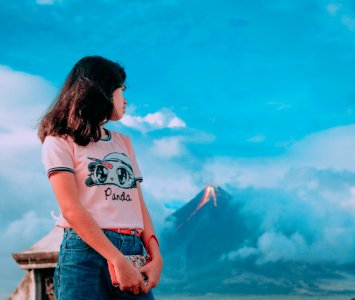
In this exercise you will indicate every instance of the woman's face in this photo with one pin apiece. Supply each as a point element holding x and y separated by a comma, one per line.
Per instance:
<point>119,104</point>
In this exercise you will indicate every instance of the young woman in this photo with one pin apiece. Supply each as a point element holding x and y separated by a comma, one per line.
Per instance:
<point>96,181</point>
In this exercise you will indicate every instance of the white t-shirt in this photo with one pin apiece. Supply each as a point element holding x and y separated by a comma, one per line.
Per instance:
<point>105,173</point>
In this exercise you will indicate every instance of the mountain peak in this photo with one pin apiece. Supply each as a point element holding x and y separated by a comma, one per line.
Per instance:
<point>209,194</point>
<point>210,202</point>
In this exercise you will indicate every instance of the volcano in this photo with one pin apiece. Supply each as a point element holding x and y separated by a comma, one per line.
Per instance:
<point>204,220</point>
<point>205,203</point>
<point>199,233</point>
<point>210,245</point>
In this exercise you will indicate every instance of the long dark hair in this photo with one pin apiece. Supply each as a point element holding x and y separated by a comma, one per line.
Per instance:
<point>84,102</point>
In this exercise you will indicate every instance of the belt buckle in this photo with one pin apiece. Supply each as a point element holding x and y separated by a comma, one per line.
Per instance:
<point>129,231</point>
<point>126,231</point>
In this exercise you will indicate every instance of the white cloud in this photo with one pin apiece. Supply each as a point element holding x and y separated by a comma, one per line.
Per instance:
<point>313,196</point>
<point>26,225</point>
<point>26,230</point>
<point>331,148</point>
<point>176,122</point>
<point>48,2</point>
<point>256,138</point>
<point>17,236</point>
<point>348,22</point>
<point>343,282</point>
<point>168,147</point>
<point>22,97</point>
<point>279,105</point>
<point>165,182</point>
<point>308,217</point>
<point>240,253</point>
<point>274,247</point>
<point>21,150</point>
<point>177,146</point>
<point>348,203</point>
<point>167,179</point>
<point>15,140</point>
<point>170,171</point>
<point>242,173</point>
<point>331,242</point>
<point>334,245</point>
<point>333,8</point>
<point>171,181</point>
<point>153,121</point>
<point>328,149</point>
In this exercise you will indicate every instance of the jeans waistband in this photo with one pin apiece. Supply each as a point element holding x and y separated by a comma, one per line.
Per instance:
<point>122,231</point>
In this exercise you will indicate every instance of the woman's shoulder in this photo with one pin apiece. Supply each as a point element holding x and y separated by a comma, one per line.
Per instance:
<point>122,139</point>
<point>58,139</point>
<point>119,134</point>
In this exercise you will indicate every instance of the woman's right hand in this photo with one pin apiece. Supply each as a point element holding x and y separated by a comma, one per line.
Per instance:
<point>129,278</point>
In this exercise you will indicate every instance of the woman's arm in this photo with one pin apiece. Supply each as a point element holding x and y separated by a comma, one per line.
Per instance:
<point>86,227</point>
<point>154,268</point>
<point>153,247</point>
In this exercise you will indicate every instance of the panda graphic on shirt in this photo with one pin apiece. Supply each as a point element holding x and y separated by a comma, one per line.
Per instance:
<point>114,169</point>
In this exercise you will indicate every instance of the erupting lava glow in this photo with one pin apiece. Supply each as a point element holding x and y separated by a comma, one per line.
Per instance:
<point>208,194</point>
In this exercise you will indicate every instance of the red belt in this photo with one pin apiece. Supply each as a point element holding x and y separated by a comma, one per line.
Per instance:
<point>126,231</point>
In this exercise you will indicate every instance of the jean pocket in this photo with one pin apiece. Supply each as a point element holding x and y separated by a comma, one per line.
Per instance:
<point>131,245</point>
<point>73,243</point>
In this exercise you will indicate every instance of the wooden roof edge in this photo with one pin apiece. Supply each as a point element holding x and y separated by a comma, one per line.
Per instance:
<point>38,260</point>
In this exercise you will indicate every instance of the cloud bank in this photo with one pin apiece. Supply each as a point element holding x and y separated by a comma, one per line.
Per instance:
<point>301,203</point>
<point>153,121</point>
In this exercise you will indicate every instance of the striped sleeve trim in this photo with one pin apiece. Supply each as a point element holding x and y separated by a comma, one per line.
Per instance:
<point>140,179</point>
<point>59,169</point>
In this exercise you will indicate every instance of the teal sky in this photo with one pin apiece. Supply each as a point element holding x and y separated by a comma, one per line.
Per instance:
<point>242,94</point>
<point>254,74</point>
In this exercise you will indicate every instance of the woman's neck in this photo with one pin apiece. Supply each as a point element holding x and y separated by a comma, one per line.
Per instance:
<point>103,132</point>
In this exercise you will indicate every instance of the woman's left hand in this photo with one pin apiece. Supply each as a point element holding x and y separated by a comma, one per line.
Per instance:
<point>152,270</point>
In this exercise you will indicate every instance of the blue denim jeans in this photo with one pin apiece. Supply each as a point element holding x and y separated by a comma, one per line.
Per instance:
<point>82,273</point>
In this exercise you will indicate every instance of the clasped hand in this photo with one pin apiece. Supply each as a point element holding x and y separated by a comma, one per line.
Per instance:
<point>130,278</point>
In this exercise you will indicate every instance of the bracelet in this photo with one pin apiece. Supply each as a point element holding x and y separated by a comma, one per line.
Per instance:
<point>150,237</point>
